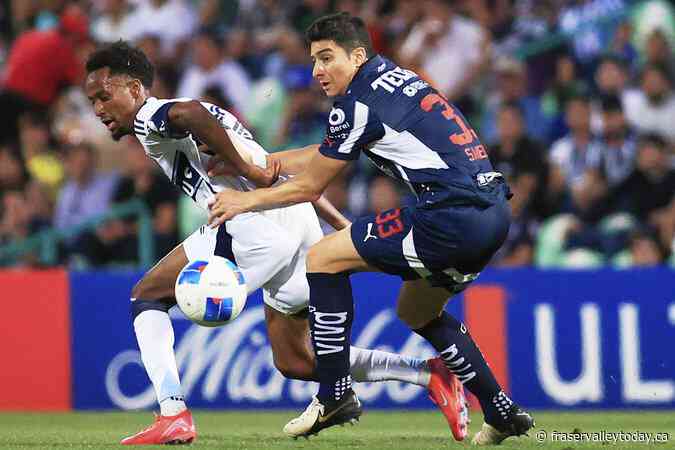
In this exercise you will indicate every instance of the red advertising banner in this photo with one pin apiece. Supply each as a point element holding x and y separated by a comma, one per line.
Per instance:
<point>35,340</point>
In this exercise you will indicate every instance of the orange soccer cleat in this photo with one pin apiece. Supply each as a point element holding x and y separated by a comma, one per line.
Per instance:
<point>178,429</point>
<point>447,392</point>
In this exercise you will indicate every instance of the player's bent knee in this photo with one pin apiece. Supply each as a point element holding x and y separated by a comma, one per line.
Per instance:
<point>318,260</point>
<point>149,289</point>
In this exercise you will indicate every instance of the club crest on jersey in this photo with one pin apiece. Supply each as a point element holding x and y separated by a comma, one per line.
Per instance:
<point>336,116</point>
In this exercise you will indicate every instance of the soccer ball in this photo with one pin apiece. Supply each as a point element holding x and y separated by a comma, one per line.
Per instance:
<point>211,293</point>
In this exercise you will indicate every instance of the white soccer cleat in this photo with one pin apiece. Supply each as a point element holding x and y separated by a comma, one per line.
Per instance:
<point>516,423</point>
<point>488,435</point>
<point>318,416</point>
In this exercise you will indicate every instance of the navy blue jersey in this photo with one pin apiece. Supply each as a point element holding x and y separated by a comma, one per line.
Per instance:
<point>411,132</point>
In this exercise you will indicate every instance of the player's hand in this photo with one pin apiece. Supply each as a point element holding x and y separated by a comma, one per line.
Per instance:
<point>265,177</point>
<point>225,205</point>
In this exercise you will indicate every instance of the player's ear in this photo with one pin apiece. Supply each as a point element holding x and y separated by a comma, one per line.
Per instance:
<point>359,56</point>
<point>136,88</point>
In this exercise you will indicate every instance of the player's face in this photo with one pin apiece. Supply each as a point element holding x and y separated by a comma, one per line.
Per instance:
<point>334,68</point>
<point>116,99</point>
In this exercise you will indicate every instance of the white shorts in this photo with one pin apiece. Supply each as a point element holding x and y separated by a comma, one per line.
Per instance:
<point>270,248</point>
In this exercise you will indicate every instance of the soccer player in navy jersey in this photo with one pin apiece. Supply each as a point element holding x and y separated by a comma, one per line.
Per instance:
<point>438,246</point>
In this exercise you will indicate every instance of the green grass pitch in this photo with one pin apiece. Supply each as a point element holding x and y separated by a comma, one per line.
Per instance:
<point>390,430</point>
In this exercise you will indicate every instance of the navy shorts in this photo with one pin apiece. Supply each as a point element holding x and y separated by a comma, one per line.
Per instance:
<point>449,246</point>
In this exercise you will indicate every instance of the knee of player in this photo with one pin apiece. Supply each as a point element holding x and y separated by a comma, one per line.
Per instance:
<point>315,259</point>
<point>144,289</point>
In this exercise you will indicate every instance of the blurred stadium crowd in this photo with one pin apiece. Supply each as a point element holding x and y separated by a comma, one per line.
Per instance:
<point>574,99</point>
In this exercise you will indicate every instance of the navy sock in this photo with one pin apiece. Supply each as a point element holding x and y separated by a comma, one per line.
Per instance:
<point>331,311</point>
<point>138,305</point>
<point>462,356</point>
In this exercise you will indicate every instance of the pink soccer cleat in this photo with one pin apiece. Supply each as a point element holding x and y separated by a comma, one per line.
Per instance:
<point>178,429</point>
<point>447,392</point>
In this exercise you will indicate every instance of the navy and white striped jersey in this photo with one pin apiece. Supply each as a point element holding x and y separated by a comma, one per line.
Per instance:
<point>179,157</point>
<point>410,132</point>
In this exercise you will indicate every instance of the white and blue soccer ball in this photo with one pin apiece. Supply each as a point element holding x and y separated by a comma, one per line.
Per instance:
<point>211,293</point>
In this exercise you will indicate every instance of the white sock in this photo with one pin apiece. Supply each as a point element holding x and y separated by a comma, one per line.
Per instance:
<point>376,365</point>
<point>155,339</point>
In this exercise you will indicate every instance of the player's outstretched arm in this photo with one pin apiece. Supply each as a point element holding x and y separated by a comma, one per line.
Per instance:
<point>292,161</point>
<point>193,118</point>
<point>307,186</point>
<point>325,209</point>
<point>295,160</point>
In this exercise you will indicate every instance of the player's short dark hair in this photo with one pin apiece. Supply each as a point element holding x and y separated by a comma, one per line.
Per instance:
<point>122,58</point>
<point>345,30</point>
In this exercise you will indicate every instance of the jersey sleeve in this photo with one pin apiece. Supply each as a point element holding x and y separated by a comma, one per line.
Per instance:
<point>158,120</point>
<point>351,126</point>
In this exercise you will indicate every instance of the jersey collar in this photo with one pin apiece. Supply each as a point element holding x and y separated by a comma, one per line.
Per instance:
<point>367,67</point>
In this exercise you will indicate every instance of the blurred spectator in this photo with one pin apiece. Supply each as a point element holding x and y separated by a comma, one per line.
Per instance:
<point>43,164</point>
<point>652,108</point>
<point>240,47</point>
<point>521,160</point>
<point>565,86</point>
<point>143,180</point>
<point>611,159</point>
<point>650,189</point>
<point>613,155</point>
<point>303,120</point>
<point>611,76</point>
<point>13,174</point>
<point>289,51</point>
<point>86,192</point>
<point>383,194</point>
<point>658,51</point>
<point>399,19</point>
<point>39,65</point>
<point>16,222</point>
<point>439,42</point>
<point>172,20</point>
<point>40,200</point>
<point>112,24</point>
<point>210,67</point>
<point>512,88</point>
<point>569,155</point>
<point>116,241</point>
<point>611,79</point>
<point>645,250</point>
